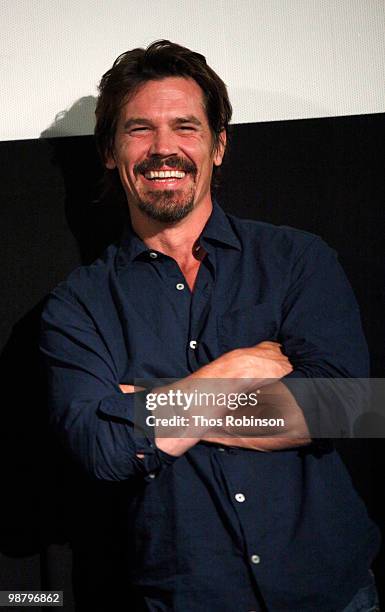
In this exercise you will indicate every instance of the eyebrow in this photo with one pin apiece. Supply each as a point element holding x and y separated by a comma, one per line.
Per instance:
<point>177,121</point>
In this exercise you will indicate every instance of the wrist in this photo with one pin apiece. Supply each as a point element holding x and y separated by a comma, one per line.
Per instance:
<point>175,446</point>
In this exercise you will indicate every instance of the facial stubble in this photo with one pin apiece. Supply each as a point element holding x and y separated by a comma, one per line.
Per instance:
<point>168,205</point>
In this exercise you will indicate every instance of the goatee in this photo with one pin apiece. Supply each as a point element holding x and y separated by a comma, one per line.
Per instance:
<point>166,206</point>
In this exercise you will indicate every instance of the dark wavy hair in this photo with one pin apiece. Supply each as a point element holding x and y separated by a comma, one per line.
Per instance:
<point>161,59</point>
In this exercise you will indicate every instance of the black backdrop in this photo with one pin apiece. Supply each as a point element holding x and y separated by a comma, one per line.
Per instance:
<point>322,175</point>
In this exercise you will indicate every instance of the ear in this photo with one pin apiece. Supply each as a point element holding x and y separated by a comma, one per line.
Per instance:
<point>110,162</point>
<point>220,148</point>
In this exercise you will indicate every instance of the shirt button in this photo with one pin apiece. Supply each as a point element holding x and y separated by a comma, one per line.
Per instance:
<point>240,497</point>
<point>222,450</point>
<point>152,475</point>
<point>255,559</point>
<point>153,255</point>
<point>193,344</point>
<point>180,286</point>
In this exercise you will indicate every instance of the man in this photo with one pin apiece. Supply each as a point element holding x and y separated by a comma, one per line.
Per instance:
<point>215,522</point>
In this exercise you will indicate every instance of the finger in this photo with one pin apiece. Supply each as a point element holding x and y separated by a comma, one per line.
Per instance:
<point>130,388</point>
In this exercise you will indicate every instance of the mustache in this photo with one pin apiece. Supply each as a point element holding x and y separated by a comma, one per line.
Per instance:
<point>157,162</point>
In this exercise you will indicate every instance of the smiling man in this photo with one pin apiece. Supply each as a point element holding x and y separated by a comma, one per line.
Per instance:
<point>214,519</point>
<point>165,153</point>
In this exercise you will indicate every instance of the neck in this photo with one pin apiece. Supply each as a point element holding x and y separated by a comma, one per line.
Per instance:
<point>175,240</point>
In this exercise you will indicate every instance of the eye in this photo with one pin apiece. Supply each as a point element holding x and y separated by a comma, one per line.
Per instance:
<point>187,128</point>
<point>138,130</point>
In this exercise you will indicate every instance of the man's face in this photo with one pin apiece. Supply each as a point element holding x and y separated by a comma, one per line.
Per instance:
<point>164,149</point>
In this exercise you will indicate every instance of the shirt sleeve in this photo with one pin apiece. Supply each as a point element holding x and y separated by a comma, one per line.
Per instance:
<point>321,333</point>
<point>92,416</point>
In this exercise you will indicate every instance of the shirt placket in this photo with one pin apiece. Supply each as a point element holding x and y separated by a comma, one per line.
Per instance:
<point>176,287</point>
<point>199,310</point>
<point>243,500</point>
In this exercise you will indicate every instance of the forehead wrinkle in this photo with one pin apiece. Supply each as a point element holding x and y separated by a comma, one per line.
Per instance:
<point>140,93</point>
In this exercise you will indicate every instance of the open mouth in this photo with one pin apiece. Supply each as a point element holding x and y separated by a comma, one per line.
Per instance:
<point>156,175</point>
<point>165,178</point>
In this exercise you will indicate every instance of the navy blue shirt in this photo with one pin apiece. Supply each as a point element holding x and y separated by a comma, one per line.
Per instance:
<point>227,529</point>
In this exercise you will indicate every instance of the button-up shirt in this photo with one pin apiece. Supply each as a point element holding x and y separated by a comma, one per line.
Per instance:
<point>220,527</point>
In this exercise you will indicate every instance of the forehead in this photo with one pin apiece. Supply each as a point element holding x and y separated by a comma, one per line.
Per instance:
<point>170,96</point>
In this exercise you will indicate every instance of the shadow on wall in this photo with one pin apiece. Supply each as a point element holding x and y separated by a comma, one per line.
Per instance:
<point>95,217</point>
<point>44,495</point>
<point>57,527</point>
<point>78,119</point>
<point>32,467</point>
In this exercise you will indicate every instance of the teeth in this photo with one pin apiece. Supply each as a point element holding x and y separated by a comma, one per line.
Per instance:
<point>154,174</point>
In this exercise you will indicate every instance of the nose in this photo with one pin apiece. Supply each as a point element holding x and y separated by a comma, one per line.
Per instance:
<point>163,143</point>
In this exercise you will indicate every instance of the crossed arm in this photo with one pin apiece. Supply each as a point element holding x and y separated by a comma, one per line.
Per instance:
<point>248,369</point>
<point>320,330</point>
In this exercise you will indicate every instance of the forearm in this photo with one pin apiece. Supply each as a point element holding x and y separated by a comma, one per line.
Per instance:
<point>259,444</point>
<point>274,402</point>
<point>106,447</point>
<point>238,372</point>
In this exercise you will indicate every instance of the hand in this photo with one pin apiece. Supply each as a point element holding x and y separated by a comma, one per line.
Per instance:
<point>259,364</point>
<point>267,361</point>
<point>278,401</point>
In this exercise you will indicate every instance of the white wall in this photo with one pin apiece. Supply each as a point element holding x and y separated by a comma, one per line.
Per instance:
<point>281,59</point>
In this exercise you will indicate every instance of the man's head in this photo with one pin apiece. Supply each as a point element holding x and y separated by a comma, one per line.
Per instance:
<point>162,109</point>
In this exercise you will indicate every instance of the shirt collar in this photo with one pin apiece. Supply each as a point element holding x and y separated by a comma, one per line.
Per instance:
<point>218,229</point>
<point>130,245</point>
